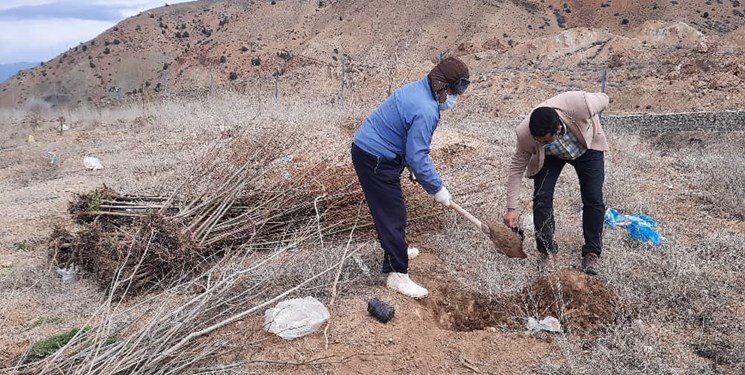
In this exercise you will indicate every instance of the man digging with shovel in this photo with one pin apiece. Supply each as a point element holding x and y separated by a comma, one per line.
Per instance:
<point>562,130</point>
<point>397,134</point>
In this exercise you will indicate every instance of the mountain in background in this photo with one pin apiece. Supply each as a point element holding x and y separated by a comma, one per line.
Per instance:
<point>660,55</point>
<point>8,70</point>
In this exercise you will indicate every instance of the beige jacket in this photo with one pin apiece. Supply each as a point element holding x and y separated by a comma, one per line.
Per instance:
<point>579,112</point>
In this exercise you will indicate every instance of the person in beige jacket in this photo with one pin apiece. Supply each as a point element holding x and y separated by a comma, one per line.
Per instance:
<point>562,130</point>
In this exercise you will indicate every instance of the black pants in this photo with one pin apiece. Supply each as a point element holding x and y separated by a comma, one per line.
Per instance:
<point>381,185</point>
<point>591,173</point>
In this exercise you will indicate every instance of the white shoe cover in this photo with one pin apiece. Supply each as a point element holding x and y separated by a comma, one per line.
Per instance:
<point>401,283</point>
<point>413,252</point>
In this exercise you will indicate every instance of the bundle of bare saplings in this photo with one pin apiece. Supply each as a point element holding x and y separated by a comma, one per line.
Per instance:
<point>132,243</point>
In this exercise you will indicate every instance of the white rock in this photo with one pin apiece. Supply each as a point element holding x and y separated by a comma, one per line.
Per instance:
<point>92,163</point>
<point>548,324</point>
<point>702,47</point>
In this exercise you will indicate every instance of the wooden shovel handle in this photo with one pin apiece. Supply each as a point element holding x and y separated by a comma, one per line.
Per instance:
<point>470,217</point>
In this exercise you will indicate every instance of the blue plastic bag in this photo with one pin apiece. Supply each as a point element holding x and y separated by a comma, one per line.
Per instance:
<point>638,225</point>
<point>641,218</point>
<point>613,218</point>
<point>643,232</point>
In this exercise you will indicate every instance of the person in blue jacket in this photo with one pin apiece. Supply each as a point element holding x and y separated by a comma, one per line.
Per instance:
<point>397,134</point>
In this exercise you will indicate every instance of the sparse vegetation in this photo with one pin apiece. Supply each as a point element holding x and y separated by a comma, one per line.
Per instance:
<point>262,201</point>
<point>689,285</point>
<point>22,246</point>
<point>42,349</point>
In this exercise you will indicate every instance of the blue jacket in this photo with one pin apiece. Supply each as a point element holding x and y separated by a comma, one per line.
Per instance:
<point>403,126</point>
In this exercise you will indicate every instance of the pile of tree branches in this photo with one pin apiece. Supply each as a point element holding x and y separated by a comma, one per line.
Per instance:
<point>149,242</point>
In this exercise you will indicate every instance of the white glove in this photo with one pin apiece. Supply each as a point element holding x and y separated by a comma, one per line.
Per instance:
<point>443,196</point>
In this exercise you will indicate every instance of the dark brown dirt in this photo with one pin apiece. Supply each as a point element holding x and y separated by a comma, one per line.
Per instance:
<point>462,311</point>
<point>506,241</point>
<point>582,304</point>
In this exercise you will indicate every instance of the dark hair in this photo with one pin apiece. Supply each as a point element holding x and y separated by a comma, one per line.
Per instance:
<point>544,121</point>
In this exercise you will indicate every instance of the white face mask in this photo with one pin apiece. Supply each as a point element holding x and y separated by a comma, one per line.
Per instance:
<point>448,103</point>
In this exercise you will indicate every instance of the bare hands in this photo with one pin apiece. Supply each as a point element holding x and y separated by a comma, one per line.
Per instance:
<point>510,218</point>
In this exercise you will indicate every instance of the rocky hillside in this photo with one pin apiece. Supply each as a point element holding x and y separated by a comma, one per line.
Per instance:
<point>661,55</point>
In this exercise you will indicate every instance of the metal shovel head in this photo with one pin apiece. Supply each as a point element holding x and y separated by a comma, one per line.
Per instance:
<point>506,241</point>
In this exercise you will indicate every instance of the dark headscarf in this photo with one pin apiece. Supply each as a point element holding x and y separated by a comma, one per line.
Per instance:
<point>447,73</point>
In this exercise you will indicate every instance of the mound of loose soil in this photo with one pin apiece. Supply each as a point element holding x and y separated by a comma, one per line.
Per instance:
<point>580,302</point>
<point>583,305</point>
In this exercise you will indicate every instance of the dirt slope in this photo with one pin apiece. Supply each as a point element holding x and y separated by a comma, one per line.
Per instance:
<point>519,51</point>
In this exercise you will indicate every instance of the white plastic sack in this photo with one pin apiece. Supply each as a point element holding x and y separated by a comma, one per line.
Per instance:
<point>528,225</point>
<point>548,324</point>
<point>92,163</point>
<point>296,317</point>
<point>69,273</point>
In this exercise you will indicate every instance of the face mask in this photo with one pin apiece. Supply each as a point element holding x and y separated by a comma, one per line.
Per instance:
<point>448,103</point>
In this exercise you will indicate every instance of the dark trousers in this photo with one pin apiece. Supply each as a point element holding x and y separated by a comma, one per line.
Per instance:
<point>381,185</point>
<point>590,169</point>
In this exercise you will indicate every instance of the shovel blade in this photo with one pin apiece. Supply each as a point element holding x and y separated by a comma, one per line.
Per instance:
<point>505,241</point>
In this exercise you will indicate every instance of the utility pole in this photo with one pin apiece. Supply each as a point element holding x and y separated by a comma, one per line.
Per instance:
<point>276,84</point>
<point>602,87</point>
<point>343,61</point>
<point>212,81</point>
<point>165,82</point>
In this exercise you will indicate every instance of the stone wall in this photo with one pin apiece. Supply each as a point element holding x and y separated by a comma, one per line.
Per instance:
<point>672,122</point>
<point>651,123</point>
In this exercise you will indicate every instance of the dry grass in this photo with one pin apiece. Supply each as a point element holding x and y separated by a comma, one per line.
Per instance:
<point>279,177</point>
<point>678,303</point>
<point>718,172</point>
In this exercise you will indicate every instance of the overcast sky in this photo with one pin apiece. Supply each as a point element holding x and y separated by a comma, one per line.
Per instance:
<point>38,30</point>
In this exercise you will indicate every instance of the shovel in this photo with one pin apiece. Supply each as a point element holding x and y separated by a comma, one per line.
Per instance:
<point>505,240</point>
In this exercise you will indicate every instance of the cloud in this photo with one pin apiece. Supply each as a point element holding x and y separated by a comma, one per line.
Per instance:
<point>38,30</point>
<point>40,40</point>
<point>11,4</point>
<point>57,11</point>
